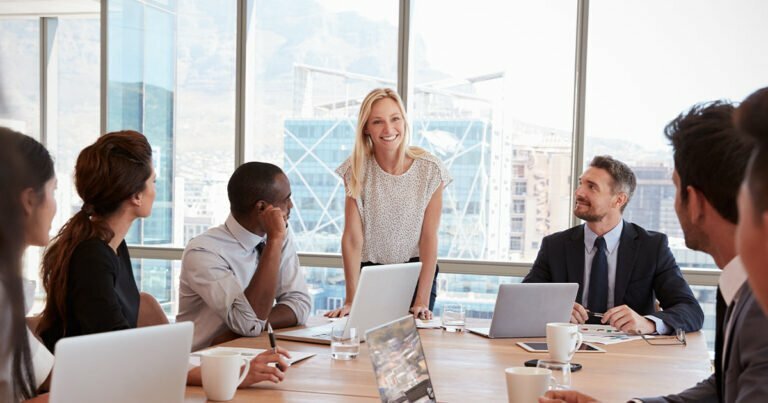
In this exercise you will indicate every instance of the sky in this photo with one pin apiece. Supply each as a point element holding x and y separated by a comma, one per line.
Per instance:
<point>647,61</point>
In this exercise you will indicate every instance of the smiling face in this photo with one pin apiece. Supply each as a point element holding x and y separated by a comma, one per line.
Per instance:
<point>595,198</point>
<point>385,126</point>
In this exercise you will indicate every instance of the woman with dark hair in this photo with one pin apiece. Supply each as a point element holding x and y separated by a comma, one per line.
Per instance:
<point>27,207</point>
<point>87,271</point>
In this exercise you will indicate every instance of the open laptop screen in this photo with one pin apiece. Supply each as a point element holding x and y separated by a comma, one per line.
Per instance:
<point>399,362</point>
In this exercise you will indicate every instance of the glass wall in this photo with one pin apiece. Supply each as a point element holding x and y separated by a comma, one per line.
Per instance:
<point>644,70</point>
<point>171,76</point>
<point>490,92</point>
<point>647,63</point>
<point>309,65</point>
<point>500,119</point>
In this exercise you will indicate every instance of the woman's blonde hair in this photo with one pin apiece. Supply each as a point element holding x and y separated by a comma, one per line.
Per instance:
<point>364,146</point>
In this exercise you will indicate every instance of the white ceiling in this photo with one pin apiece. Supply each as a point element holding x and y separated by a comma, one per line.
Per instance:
<point>9,8</point>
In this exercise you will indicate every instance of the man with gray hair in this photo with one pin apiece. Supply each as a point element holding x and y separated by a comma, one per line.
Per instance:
<point>621,268</point>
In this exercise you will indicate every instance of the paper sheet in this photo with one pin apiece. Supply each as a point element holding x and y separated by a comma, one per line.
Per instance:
<point>434,323</point>
<point>604,334</point>
<point>296,356</point>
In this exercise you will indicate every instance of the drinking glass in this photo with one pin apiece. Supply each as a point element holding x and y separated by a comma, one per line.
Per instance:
<point>561,373</point>
<point>453,317</point>
<point>345,343</point>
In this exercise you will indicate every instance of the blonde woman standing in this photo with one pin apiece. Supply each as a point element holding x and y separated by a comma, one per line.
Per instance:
<point>394,200</point>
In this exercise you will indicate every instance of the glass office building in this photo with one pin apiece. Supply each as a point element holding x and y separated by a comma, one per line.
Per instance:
<point>141,88</point>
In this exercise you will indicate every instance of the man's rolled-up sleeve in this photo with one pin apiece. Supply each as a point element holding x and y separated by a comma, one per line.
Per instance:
<point>292,289</point>
<point>211,278</point>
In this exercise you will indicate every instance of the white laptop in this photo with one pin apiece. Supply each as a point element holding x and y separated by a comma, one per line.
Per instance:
<point>383,294</point>
<point>148,364</point>
<point>523,310</point>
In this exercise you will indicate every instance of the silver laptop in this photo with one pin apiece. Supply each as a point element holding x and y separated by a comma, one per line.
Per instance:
<point>383,294</point>
<point>137,365</point>
<point>399,362</point>
<point>523,310</point>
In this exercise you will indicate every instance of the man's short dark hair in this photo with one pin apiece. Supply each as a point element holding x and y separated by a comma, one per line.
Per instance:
<point>710,155</point>
<point>752,120</point>
<point>623,178</point>
<point>251,182</point>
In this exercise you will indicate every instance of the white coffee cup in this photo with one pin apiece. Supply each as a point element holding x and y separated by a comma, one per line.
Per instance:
<point>221,373</point>
<point>525,385</point>
<point>563,339</point>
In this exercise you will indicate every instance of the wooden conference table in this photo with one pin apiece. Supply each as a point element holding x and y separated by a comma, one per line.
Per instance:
<point>466,367</point>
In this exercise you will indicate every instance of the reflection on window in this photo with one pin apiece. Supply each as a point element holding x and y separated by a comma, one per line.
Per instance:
<point>476,293</point>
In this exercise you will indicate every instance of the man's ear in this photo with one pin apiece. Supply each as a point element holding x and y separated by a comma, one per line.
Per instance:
<point>696,203</point>
<point>621,199</point>
<point>28,200</point>
<point>261,205</point>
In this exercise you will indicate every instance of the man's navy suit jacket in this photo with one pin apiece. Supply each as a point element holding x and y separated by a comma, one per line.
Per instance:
<point>645,271</point>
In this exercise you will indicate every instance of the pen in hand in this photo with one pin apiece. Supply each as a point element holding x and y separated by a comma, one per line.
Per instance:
<point>272,343</point>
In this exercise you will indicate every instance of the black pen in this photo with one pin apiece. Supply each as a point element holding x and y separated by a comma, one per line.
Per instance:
<point>272,343</point>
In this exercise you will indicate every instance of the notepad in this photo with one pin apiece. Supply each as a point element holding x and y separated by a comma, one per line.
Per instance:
<point>604,334</point>
<point>296,356</point>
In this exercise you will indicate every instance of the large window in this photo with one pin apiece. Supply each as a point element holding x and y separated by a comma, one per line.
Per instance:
<point>172,77</point>
<point>645,70</point>
<point>171,74</point>
<point>309,65</point>
<point>500,119</point>
<point>489,89</point>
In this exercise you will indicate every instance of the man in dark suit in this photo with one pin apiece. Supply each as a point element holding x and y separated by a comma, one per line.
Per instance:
<point>710,160</point>
<point>621,268</point>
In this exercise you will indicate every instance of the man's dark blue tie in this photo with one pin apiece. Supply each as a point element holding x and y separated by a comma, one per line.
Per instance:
<point>260,247</point>
<point>598,281</point>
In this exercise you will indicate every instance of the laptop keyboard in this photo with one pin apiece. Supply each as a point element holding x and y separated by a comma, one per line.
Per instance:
<point>322,331</point>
